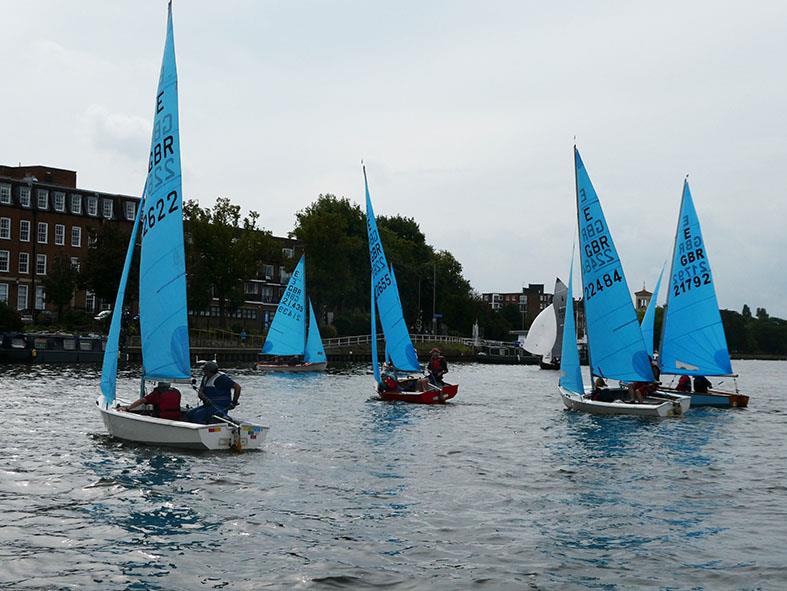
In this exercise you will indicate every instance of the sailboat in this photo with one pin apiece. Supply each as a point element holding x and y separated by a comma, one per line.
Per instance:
<point>692,338</point>
<point>162,295</point>
<point>399,351</point>
<point>616,349</point>
<point>545,336</point>
<point>287,336</point>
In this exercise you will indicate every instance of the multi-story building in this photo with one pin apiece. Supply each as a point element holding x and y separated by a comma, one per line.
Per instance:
<point>44,215</point>
<point>642,298</point>
<point>531,300</point>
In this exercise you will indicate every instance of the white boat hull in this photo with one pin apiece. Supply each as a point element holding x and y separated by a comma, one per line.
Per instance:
<point>138,428</point>
<point>300,368</point>
<point>662,404</point>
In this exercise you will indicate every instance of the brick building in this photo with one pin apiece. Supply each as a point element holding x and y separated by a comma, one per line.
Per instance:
<point>531,300</point>
<point>43,215</point>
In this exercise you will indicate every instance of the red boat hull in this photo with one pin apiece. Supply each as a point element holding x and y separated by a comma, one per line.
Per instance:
<point>447,392</point>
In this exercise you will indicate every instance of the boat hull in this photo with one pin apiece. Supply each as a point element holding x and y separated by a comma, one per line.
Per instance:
<point>660,405</point>
<point>147,430</point>
<point>300,368</point>
<point>548,365</point>
<point>717,399</point>
<point>447,392</point>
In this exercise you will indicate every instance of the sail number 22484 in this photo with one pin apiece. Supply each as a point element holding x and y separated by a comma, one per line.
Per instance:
<point>606,280</point>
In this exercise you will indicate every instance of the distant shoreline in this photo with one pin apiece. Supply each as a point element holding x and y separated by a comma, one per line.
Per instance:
<point>758,356</point>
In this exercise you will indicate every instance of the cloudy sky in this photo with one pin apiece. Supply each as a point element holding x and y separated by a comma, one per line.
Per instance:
<point>465,112</point>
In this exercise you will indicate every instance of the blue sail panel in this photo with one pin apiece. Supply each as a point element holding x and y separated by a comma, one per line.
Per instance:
<point>109,367</point>
<point>693,340</point>
<point>375,361</point>
<point>615,342</point>
<point>287,334</point>
<point>162,271</point>
<point>385,293</point>
<point>649,319</point>
<point>570,372</point>
<point>314,350</point>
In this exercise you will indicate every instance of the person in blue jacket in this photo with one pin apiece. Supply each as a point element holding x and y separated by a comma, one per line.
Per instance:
<point>218,392</point>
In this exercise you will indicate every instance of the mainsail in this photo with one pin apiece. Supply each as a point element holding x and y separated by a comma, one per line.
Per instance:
<point>314,351</point>
<point>614,339</point>
<point>162,273</point>
<point>385,294</point>
<point>570,372</point>
<point>649,319</point>
<point>287,334</point>
<point>559,305</point>
<point>692,338</point>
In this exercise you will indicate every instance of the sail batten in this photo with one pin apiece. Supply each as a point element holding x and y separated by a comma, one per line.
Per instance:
<point>162,285</point>
<point>614,336</point>
<point>693,340</point>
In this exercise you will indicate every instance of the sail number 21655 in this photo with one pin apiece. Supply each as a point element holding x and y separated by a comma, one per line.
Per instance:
<point>606,280</point>
<point>159,210</point>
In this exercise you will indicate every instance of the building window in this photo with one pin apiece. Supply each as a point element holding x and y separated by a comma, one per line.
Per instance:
<point>76,236</point>
<point>43,232</point>
<point>59,201</point>
<point>40,297</point>
<point>24,196</point>
<point>90,301</point>
<point>43,199</point>
<point>21,297</point>
<point>76,204</point>
<point>107,208</point>
<point>5,193</point>
<point>75,263</point>
<point>267,272</point>
<point>40,264</point>
<point>5,228</point>
<point>4,261</point>
<point>4,292</point>
<point>24,263</point>
<point>131,210</point>
<point>92,206</point>
<point>283,274</point>
<point>24,231</point>
<point>60,234</point>
<point>288,252</point>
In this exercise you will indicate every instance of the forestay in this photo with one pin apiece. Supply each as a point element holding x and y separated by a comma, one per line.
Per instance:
<point>314,351</point>
<point>649,319</point>
<point>693,341</point>
<point>287,334</point>
<point>570,372</point>
<point>614,339</point>
<point>162,276</point>
<point>385,294</point>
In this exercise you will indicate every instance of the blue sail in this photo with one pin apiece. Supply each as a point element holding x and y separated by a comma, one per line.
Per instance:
<point>287,334</point>
<point>649,319</point>
<point>314,351</point>
<point>375,361</point>
<point>109,368</point>
<point>693,341</point>
<point>162,271</point>
<point>615,342</point>
<point>397,337</point>
<point>570,373</point>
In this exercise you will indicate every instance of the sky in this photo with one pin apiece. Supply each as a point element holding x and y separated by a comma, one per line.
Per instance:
<point>464,112</point>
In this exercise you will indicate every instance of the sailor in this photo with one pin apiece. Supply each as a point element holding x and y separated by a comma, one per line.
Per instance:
<point>218,392</point>
<point>702,384</point>
<point>684,384</point>
<point>165,400</point>
<point>437,367</point>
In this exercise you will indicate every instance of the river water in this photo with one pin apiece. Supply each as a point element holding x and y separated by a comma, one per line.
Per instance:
<point>500,489</point>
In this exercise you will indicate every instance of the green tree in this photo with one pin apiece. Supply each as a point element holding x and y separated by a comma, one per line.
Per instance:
<point>102,267</point>
<point>746,312</point>
<point>512,315</point>
<point>223,252</point>
<point>61,281</point>
<point>9,318</point>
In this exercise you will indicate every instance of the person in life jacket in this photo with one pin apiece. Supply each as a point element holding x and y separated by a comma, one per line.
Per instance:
<point>436,368</point>
<point>684,384</point>
<point>218,392</point>
<point>165,401</point>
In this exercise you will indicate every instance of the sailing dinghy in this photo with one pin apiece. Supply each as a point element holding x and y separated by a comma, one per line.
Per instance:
<point>162,296</point>
<point>692,338</point>
<point>545,336</point>
<point>399,351</point>
<point>616,350</point>
<point>287,336</point>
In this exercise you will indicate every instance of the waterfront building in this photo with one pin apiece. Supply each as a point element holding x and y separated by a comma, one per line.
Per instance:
<point>530,301</point>
<point>43,215</point>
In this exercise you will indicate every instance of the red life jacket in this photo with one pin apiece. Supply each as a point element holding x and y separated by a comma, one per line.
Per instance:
<point>436,364</point>
<point>391,384</point>
<point>166,403</point>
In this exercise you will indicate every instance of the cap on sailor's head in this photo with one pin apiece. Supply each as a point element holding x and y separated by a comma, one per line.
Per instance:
<point>211,367</point>
<point>163,385</point>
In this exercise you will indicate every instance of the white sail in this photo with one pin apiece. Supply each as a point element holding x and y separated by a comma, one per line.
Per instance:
<point>541,336</point>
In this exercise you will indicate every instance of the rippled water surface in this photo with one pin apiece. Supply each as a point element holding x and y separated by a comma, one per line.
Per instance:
<point>500,489</point>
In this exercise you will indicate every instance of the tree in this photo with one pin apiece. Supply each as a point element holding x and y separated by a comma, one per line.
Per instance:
<point>103,266</point>
<point>223,250</point>
<point>762,314</point>
<point>9,318</point>
<point>746,312</point>
<point>60,283</point>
